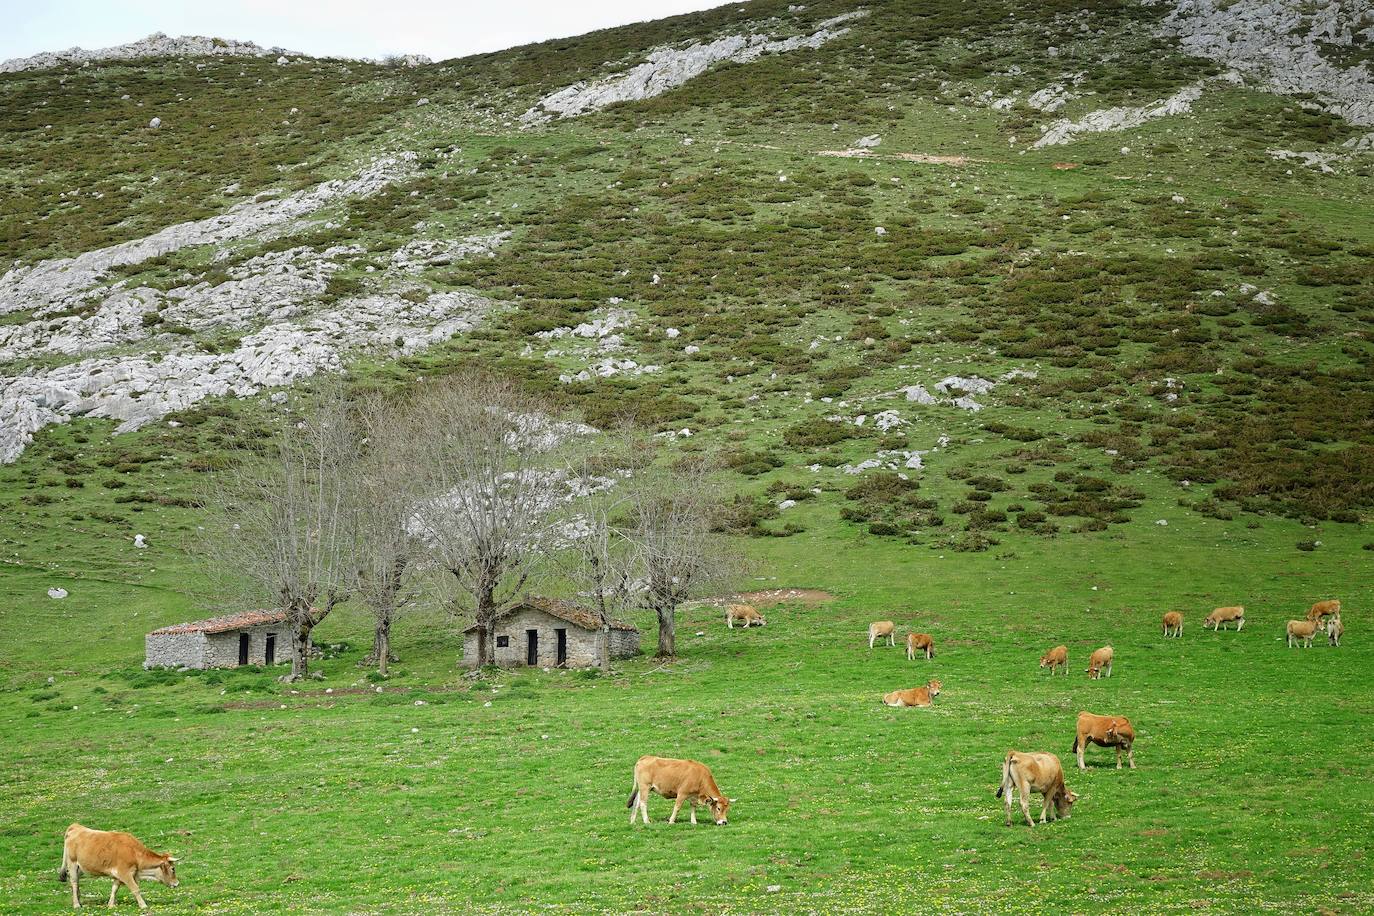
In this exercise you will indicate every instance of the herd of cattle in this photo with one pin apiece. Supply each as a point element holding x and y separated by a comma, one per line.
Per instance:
<point>124,859</point>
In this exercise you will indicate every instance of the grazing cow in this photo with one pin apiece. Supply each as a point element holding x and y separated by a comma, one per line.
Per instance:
<point>880,628</point>
<point>746,614</point>
<point>1225,615</point>
<point>1323,609</point>
<point>1104,731</point>
<point>1173,624</point>
<point>1334,631</point>
<point>1099,660</point>
<point>1054,658</point>
<point>681,780</point>
<point>110,854</point>
<point>1302,631</point>
<point>1026,773</point>
<point>916,696</point>
<point>919,642</point>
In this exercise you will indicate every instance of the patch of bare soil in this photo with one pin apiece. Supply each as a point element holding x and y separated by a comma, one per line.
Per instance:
<point>860,153</point>
<point>1063,166</point>
<point>772,596</point>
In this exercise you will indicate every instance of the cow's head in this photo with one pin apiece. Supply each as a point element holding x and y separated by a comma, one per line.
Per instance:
<point>934,688</point>
<point>719,808</point>
<point>166,872</point>
<point>1064,803</point>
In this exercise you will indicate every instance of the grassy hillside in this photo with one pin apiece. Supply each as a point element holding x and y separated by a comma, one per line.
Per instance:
<point>1177,325</point>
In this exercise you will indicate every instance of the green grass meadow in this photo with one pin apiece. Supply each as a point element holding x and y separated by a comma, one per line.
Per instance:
<point>440,794</point>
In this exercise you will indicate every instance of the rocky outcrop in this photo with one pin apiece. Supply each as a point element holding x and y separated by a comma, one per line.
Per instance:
<point>668,67</point>
<point>1110,119</point>
<point>155,45</point>
<point>1289,46</point>
<point>57,280</point>
<point>137,390</point>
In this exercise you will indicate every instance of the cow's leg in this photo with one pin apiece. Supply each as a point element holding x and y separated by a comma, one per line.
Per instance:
<point>692,812</point>
<point>871,637</point>
<point>891,640</point>
<point>1240,624</point>
<point>1011,791</point>
<point>1082,746</point>
<point>644,806</point>
<point>132,885</point>
<point>1130,755</point>
<point>677,805</point>
<point>1025,806</point>
<point>1118,756</point>
<point>114,887</point>
<point>76,881</point>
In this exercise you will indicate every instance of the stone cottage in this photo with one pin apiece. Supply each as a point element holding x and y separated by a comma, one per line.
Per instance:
<point>249,638</point>
<point>550,633</point>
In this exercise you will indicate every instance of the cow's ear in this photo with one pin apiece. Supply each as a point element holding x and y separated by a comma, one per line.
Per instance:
<point>173,859</point>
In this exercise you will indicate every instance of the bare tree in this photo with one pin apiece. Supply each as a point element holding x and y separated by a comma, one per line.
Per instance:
<point>599,557</point>
<point>485,449</point>
<point>383,496</point>
<point>277,526</point>
<point>671,512</point>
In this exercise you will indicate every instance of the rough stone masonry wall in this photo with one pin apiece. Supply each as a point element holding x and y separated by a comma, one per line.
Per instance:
<point>222,649</point>
<point>174,650</point>
<point>581,643</point>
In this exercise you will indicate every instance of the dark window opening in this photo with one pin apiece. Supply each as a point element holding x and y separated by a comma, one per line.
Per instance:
<point>270,650</point>
<point>562,647</point>
<point>243,648</point>
<point>503,642</point>
<point>532,650</point>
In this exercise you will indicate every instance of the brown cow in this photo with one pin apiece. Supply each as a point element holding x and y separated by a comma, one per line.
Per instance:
<point>1173,624</point>
<point>1054,658</point>
<point>1104,731</point>
<point>110,854</point>
<point>1041,773</point>
<point>1100,659</point>
<point>916,696</point>
<point>681,780</point>
<point>1323,609</point>
<point>1334,631</point>
<point>1302,631</point>
<point>1225,615</point>
<point>919,642</point>
<point>880,628</point>
<point>744,613</point>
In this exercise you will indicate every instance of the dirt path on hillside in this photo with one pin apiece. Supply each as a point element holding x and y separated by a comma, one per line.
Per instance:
<point>862,153</point>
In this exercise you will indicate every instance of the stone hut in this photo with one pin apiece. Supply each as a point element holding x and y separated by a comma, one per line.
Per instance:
<point>249,638</point>
<point>550,633</point>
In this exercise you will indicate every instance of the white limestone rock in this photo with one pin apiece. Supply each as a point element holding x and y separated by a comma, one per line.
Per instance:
<point>668,67</point>
<point>157,44</point>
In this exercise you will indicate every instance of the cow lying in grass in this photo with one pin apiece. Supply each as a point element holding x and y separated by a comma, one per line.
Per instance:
<point>1100,660</point>
<point>680,780</point>
<point>1224,615</point>
<point>1323,609</point>
<point>1302,631</point>
<point>1104,731</point>
<point>1026,773</point>
<point>110,854</point>
<point>1173,624</point>
<point>916,696</point>
<point>746,614</point>
<point>919,642</point>
<point>1054,658</point>
<point>880,628</point>
<point>1334,631</point>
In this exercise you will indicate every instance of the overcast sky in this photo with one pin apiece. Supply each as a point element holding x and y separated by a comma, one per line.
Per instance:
<point>346,28</point>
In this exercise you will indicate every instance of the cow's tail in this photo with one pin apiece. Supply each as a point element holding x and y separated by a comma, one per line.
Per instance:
<point>1075,744</point>
<point>634,795</point>
<point>1006,775</point>
<point>62,873</point>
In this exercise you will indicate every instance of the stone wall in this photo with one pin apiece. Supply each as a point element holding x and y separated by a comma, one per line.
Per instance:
<point>582,644</point>
<point>222,649</point>
<point>174,650</point>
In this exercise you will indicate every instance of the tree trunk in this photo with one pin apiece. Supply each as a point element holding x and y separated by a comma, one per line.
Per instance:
<point>486,617</point>
<point>604,649</point>
<point>300,651</point>
<point>667,634</point>
<point>381,644</point>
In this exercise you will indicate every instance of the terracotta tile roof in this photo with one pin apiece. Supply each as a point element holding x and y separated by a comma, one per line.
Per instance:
<point>583,617</point>
<point>224,624</point>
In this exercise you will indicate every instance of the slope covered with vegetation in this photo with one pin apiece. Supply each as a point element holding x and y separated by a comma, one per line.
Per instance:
<point>1166,332</point>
